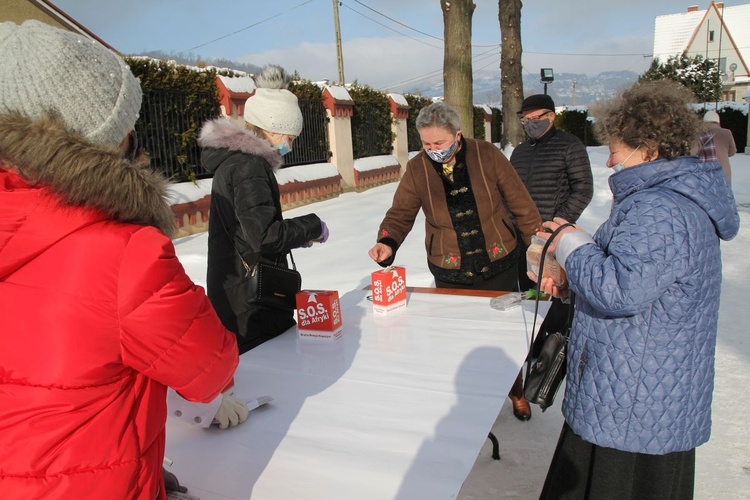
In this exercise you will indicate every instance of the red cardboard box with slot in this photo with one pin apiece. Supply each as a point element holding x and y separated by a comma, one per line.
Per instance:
<point>389,289</point>
<point>319,314</point>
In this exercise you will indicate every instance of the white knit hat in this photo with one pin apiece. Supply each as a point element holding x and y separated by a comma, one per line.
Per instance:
<point>711,116</point>
<point>272,107</point>
<point>49,69</point>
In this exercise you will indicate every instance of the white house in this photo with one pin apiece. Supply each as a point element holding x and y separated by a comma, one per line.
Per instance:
<point>718,33</point>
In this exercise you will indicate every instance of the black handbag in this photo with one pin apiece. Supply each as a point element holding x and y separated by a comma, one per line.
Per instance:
<point>269,284</point>
<point>547,371</point>
<point>273,286</point>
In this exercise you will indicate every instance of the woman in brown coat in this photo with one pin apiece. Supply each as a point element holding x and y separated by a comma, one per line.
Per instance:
<point>473,202</point>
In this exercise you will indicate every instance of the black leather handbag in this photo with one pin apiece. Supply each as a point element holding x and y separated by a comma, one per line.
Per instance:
<point>273,286</point>
<point>270,285</point>
<point>545,373</point>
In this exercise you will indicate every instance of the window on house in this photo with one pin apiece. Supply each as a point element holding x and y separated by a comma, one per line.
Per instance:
<point>711,36</point>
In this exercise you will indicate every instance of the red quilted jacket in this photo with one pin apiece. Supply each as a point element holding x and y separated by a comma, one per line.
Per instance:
<point>97,318</point>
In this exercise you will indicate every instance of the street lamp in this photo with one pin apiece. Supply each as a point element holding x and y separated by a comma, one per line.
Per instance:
<point>547,77</point>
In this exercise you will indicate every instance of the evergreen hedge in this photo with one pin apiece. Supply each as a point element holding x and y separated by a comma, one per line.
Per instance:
<point>576,122</point>
<point>416,103</point>
<point>187,98</point>
<point>371,124</point>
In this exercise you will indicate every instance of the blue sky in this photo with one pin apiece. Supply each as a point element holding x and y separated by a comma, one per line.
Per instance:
<point>573,36</point>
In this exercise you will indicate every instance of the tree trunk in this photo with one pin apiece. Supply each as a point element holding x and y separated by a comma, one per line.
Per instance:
<point>457,78</point>
<point>511,81</point>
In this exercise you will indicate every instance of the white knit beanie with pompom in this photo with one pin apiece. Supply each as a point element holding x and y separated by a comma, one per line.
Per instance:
<point>45,69</point>
<point>272,107</point>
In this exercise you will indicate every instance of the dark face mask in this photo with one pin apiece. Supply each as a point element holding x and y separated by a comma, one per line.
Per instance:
<point>536,128</point>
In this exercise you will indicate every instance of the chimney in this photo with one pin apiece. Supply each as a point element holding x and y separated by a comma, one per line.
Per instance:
<point>719,5</point>
<point>692,8</point>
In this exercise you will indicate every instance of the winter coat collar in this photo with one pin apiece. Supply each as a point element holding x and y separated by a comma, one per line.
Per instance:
<point>83,174</point>
<point>220,133</point>
<point>703,183</point>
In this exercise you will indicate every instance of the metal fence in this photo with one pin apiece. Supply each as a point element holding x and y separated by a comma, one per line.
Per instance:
<point>312,144</point>
<point>168,127</point>
<point>368,133</point>
<point>170,121</point>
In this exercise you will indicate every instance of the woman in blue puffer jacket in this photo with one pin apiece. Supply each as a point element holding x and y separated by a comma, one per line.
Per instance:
<point>640,362</point>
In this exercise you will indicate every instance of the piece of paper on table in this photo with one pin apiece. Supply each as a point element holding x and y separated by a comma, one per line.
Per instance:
<point>255,403</point>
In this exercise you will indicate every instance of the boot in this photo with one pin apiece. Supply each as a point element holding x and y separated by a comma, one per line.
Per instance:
<point>521,408</point>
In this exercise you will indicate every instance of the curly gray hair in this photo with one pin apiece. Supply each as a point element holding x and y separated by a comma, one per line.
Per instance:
<point>652,115</point>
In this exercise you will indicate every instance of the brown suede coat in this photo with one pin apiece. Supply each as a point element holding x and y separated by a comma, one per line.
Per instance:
<point>495,185</point>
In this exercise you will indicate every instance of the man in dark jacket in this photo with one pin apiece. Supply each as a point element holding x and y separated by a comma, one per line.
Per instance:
<point>554,166</point>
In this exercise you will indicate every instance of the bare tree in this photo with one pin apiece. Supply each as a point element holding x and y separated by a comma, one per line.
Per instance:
<point>457,73</point>
<point>511,82</point>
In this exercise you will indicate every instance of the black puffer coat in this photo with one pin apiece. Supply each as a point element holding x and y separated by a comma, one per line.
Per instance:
<point>245,203</point>
<point>557,173</point>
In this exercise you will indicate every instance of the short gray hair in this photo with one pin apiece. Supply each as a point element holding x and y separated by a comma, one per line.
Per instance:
<point>439,114</point>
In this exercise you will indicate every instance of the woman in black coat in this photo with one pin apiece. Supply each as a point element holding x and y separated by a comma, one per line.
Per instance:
<point>245,215</point>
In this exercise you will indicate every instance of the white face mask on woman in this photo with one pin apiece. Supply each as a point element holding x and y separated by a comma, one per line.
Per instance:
<point>618,167</point>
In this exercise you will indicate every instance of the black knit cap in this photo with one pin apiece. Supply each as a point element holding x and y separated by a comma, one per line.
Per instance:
<point>537,101</point>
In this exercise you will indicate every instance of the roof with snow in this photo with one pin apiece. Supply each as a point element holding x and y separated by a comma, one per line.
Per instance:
<point>673,33</point>
<point>238,84</point>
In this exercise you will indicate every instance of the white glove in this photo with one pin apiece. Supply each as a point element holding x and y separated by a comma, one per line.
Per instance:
<point>231,413</point>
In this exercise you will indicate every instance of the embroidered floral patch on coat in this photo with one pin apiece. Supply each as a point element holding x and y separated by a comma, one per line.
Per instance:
<point>496,250</point>
<point>452,260</point>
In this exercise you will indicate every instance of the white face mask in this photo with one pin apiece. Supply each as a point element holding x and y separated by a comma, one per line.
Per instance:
<point>620,166</point>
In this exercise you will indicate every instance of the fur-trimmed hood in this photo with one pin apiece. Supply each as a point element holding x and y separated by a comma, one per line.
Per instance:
<point>220,133</point>
<point>83,174</point>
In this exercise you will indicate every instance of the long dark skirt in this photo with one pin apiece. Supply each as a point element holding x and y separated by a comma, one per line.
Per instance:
<point>581,470</point>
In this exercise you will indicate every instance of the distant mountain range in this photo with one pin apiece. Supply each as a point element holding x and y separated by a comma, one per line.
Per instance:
<point>568,88</point>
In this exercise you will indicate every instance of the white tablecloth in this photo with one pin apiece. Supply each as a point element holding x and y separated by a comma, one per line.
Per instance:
<point>398,407</point>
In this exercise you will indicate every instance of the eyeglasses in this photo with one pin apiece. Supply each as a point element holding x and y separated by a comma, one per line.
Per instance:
<point>527,119</point>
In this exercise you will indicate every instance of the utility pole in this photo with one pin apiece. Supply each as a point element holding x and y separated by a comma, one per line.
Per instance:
<point>574,92</point>
<point>339,52</point>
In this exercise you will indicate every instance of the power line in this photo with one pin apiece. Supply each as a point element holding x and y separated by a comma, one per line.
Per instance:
<point>398,22</point>
<point>583,54</point>
<point>246,27</point>
<point>395,31</point>
<point>404,25</point>
<point>431,74</point>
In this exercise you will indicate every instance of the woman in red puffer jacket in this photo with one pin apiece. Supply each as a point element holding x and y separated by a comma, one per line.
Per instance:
<point>98,316</point>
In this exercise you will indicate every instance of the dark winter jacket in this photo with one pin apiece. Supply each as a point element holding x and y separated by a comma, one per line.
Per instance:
<point>245,217</point>
<point>557,173</point>
<point>487,185</point>
<point>97,318</point>
<point>641,354</point>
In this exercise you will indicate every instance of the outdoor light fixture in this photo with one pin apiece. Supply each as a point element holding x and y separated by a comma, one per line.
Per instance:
<point>547,77</point>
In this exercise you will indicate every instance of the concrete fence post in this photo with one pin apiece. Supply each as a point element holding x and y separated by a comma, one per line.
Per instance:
<point>400,114</point>
<point>340,109</point>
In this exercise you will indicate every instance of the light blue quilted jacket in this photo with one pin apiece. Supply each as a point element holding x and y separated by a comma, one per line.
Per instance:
<point>641,354</point>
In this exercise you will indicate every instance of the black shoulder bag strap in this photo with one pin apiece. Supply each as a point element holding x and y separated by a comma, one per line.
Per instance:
<point>248,270</point>
<point>538,293</point>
